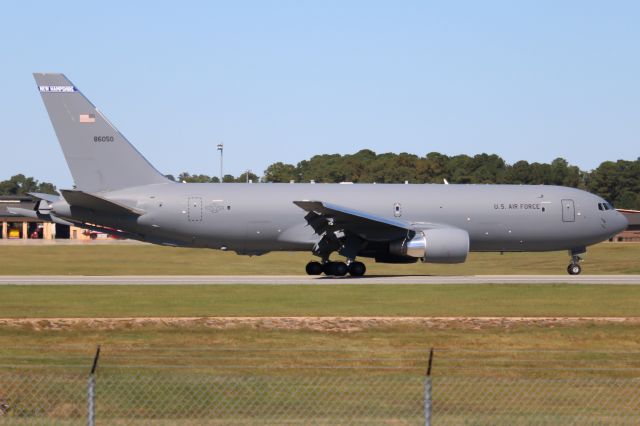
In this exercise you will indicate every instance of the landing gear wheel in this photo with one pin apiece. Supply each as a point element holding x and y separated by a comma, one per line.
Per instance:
<point>314,268</point>
<point>357,269</point>
<point>337,269</point>
<point>574,269</point>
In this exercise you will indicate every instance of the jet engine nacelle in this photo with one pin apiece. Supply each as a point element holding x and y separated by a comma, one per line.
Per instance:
<point>441,245</point>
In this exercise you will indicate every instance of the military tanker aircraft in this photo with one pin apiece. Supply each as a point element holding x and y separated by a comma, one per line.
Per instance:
<point>117,191</point>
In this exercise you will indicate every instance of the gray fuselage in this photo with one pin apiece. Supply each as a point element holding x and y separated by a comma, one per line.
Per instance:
<point>258,218</point>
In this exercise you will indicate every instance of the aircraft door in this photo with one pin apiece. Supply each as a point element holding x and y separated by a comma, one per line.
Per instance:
<point>194,212</point>
<point>568,211</point>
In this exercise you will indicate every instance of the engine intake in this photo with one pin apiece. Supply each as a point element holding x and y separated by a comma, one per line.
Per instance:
<point>441,245</point>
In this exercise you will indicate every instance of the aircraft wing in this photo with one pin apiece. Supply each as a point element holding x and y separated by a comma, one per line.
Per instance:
<point>324,216</point>
<point>97,203</point>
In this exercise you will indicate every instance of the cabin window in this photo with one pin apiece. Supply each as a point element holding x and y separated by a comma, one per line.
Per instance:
<point>397,210</point>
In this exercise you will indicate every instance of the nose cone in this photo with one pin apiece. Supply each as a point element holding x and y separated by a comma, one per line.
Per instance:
<point>619,222</point>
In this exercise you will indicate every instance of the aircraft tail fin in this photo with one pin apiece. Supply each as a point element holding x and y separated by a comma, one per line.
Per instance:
<point>99,156</point>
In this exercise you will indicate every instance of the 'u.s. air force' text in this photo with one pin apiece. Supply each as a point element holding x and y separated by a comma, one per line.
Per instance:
<point>517,206</point>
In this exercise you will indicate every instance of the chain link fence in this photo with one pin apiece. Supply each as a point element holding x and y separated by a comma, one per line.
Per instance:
<point>529,401</point>
<point>141,398</point>
<point>162,395</point>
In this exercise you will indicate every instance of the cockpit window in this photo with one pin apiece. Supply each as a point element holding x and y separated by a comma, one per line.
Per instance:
<point>605,206</point>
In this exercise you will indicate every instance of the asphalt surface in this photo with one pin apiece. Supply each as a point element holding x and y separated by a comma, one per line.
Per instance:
<point>317,280</point>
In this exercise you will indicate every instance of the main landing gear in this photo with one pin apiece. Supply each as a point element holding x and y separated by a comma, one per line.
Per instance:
<point>336,269</point>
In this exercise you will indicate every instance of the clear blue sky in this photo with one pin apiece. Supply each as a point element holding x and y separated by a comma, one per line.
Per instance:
<point>282,81</point>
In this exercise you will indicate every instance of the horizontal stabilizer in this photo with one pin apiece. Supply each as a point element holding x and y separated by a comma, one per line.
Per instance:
<point>35,214</point>
<point>23,212</point>
<point>98,204</point>
<point>46,197</point>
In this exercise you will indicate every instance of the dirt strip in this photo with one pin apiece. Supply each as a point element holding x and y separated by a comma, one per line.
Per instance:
<point>325,324</point>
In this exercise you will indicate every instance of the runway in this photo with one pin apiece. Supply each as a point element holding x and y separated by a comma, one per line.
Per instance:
<point>316,280</point>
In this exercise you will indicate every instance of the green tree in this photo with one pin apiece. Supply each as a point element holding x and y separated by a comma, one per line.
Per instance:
<point>21,185</point>
<point>487,168</point>
<point>618,182</point>
<point>46,188</point>
<point>459,169</point>
<point>518,173</point>
<point>281,172</point>
<point>251,177</point>
<point>327,168</point>
<point>433,168</point>
<point>186,177</point>
<point>357,166</point>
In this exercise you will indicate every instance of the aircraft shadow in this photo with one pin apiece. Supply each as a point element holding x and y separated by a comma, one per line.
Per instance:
<point>347,277</point>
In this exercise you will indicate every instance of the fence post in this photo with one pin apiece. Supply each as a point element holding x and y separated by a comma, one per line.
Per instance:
<point>91,391</point>
<point>427,392</point>
<point>91,399</point>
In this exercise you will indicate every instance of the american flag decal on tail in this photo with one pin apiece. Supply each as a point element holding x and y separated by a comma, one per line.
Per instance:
<point>87,118</point>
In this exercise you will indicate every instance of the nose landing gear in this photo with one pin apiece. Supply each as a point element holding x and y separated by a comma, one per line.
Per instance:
<point>574,267</point>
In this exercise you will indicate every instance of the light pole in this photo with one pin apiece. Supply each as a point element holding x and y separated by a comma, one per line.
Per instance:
<point>248,173</point>
<point>220,148</point>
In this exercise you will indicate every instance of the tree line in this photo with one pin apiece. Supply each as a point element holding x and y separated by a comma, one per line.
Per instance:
<point>615,181</point>
<point>22,185</point>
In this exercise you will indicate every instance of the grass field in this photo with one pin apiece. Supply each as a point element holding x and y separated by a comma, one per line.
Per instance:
<point>525,350</point>
<point>123,259</point>
<point>145,369</point>
<point>167,344</point>
<point>327,300</point>
<point>499,350</point>
<point>165,376</point>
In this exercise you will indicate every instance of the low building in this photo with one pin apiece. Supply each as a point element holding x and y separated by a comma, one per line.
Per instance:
<point>632,233</point>
<point>20,227</point>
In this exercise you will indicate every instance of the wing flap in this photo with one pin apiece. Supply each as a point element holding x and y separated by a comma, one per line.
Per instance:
<point>323,216</point>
